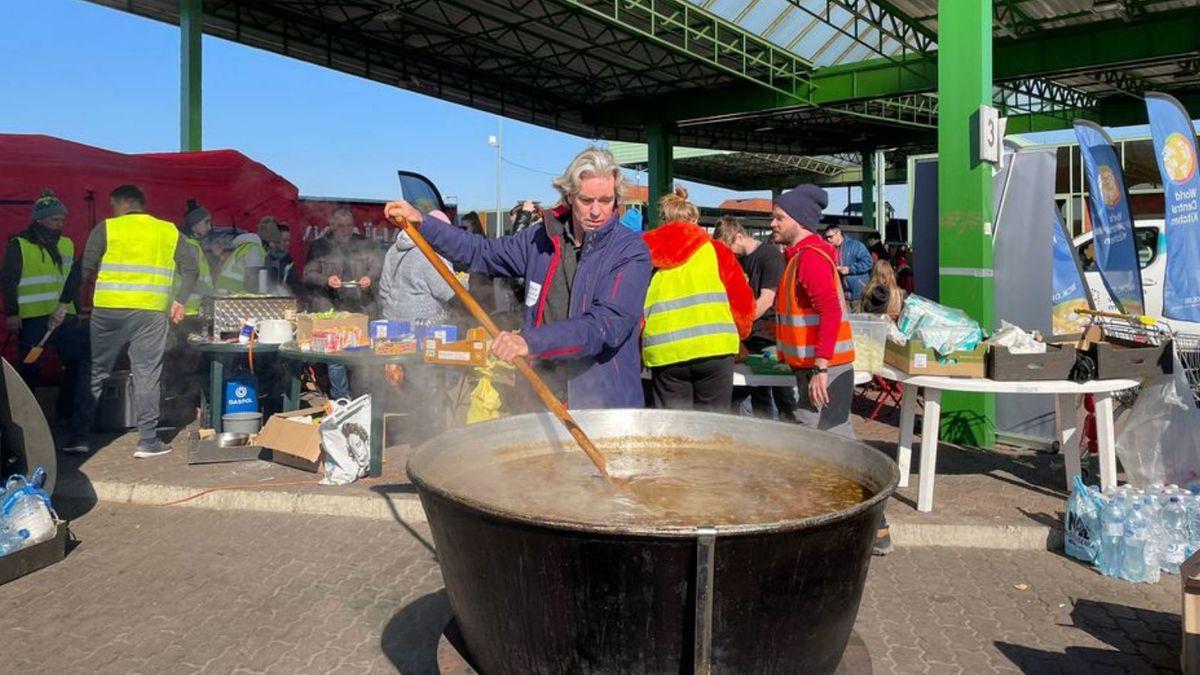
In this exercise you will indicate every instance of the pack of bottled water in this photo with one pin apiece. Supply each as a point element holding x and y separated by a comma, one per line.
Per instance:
<point>1132,534</point>
<point>26,516</point>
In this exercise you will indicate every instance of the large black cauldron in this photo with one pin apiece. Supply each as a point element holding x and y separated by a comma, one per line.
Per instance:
<point>534,596</point>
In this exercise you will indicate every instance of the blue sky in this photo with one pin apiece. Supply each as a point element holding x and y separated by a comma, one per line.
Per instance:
<point>103,77</point>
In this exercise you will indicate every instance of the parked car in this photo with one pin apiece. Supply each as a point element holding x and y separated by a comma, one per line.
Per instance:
<point>1150,238</point>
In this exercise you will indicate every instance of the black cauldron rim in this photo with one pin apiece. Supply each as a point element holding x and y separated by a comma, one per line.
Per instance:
<point>432,446</point>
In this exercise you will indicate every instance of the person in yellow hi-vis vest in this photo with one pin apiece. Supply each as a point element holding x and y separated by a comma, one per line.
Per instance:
<point>135,258</point>
<point>242,251</point>
<point>197,223</point>
<point>697,311</point>
<point>39,285</point>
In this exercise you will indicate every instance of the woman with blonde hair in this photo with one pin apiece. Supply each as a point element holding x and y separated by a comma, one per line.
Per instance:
<point>882,295</point>
<point>698,310</point>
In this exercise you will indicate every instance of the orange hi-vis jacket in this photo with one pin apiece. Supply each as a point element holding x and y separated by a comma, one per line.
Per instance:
<point>798,322</point>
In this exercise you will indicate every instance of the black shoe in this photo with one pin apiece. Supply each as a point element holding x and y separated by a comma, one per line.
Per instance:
<point>883,540</point>
<point>76,445</point>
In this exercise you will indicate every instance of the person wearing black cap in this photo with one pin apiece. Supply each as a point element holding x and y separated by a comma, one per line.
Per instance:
<point>812,321</point>
<point>39,285</point>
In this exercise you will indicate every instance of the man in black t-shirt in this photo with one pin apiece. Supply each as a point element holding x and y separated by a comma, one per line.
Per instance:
<point>763,265</point>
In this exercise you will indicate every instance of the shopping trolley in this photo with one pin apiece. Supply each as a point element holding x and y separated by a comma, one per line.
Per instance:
<point>1151,331</point>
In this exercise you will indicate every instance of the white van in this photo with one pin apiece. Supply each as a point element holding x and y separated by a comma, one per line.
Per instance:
<point>1149,237</point>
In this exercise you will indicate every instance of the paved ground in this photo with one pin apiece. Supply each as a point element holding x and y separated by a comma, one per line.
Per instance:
<point>173,590</point>
<point>1006,498</point>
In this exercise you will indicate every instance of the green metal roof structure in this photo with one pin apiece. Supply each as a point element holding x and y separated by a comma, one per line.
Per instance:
<point>755,171</point>
<point>790,77</point>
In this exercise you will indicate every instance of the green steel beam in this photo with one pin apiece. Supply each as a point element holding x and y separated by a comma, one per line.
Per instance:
<point>660,167</point>
<point>1114,44</point>
<point>191,29</point>
<point>868,187</point>
<point>965,197</point>
<point>685,28</point>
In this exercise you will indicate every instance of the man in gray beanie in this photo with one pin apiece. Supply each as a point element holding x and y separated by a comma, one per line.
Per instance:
<point>812,320</point>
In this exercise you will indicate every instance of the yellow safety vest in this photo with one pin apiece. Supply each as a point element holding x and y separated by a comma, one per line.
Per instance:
<point>204,282</point>
<point>138,266</point>
<point>232,277</point>
<point>687,313</point>
<point>41,280</point>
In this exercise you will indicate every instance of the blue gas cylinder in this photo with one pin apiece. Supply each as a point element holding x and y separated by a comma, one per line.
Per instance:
<point>241,394</point>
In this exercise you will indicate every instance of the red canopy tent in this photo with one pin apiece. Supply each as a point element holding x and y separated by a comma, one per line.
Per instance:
<point>236,189</point>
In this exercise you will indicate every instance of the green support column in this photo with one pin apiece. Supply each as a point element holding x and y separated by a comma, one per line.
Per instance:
<point>661,166</point>
<point>191,28</point>
<point>965,196</point>
<point>868,188</point>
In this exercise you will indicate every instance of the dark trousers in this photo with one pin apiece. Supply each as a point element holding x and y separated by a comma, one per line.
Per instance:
<point>70,341</point>
<point>835,417</point>
<point>703,384</point>
<point>145,332</point>
<point>767,401</point>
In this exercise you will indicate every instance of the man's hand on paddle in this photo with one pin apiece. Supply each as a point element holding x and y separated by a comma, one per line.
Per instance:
<point>508,346</point>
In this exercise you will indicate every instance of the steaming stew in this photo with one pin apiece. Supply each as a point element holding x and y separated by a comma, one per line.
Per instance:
<point>666,485</point>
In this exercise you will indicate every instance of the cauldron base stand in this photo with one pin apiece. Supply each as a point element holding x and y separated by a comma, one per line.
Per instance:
<point>453,659</point>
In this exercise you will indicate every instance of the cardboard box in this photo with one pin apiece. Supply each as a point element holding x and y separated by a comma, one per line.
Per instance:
<point>468,353</point>
<point>1055,364</point>
<point>443,332</point>
<point>391,331</point>
<point>293,444</point>
<point>307,324</point>
<point>915,358</point>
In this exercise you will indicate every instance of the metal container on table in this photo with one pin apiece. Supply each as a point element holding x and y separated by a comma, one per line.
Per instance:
<point>532,595</point>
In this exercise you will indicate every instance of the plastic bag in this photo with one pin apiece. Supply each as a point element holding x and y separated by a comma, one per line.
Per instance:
<point>943,329</point>
<point>1160,442</point>
<point>346,439</point>
<point>1017,340</point>
<point>485,400</point>
<point>1082,536</point>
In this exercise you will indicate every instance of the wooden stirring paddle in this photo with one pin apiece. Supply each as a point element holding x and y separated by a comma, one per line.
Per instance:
<point>481,315</point>
<point>36,353</point>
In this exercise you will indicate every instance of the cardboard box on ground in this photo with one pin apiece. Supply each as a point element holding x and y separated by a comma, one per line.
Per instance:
<point>293,443</point>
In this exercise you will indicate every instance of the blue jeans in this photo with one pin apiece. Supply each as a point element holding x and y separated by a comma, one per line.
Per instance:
<point>339,381</point>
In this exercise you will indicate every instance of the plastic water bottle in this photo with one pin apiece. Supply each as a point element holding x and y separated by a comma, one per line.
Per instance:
<point>1192,504</point>
<point>1139,562</point>
<point>1175,536</point>
<point>13,541</point>
<point>1152,507</point>
<point>28,508</point>
<point>1112,532</point>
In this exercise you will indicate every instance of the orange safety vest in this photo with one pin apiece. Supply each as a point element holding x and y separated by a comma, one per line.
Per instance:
<point>797,324</point>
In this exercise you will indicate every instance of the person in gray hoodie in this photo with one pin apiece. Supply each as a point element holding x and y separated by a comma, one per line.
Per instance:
<point>409,287</point>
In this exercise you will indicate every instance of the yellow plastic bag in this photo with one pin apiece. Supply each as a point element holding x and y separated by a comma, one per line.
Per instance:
<point>485,400</point>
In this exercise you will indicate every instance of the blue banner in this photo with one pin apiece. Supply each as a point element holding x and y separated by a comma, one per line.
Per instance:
<point>1068,289</point>
<point>1116,252</point>
<point>1175,147</point>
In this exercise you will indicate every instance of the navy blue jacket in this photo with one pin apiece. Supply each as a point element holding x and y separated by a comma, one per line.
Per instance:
<point>600,331</point>
<point>854,255</point>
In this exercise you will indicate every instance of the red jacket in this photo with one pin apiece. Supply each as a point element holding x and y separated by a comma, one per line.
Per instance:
<point>817,281</point>
<point>673,244</point>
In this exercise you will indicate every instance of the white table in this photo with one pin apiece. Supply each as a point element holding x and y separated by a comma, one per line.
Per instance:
<point>744,377</point>
<point>1064,414</point>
